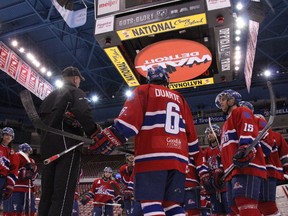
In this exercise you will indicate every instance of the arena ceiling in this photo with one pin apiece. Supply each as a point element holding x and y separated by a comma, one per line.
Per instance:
<point>39,27</point>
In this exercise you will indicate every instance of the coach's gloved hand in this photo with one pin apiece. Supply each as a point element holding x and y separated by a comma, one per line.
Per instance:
<point>8,190</point>
<point>217,183</point>
<point>85,199</point>
<point>107,140</point>
<point>240,160</point>
<point>205,180</point>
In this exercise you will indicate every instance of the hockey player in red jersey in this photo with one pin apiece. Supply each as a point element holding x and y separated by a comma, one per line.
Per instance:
<point>212,155</point>
<point>267,203</point>
<point>9,163</point>
<point>165,137</point>
<point>192,201</point>
<point>267,199</point>
<point>238,132</point>
<point>22,201</point>
<point>267,140</point>
<point>76,211</point>
<point>102,192</point>
<point>126,171</point>
<point>282,148</point>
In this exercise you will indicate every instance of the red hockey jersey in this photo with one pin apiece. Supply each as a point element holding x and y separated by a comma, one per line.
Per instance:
<point>102,191</point>
<point>269,147</point>
<point>240,128</point>
<point>22,185</point>
<point>196,163</point>
<point>9,163</point>
<point>279,154</point>
<point>162,123</point>
<point>266,142</point>
<point>127,173</point>
<point>213,159</point>
<point>282,147</point>
<point>212,156</point>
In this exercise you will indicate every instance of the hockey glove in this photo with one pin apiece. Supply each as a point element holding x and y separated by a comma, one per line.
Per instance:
<point>27,172</point>
<point>85,199</point>
<point>205,180</point>
<point>22,173</point>
<point>240,160</point>
<point>8,190</point>
<point>107,140</point>
<point>217,183</point>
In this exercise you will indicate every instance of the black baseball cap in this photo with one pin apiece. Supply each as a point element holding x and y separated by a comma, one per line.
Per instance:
<point>72,71</point>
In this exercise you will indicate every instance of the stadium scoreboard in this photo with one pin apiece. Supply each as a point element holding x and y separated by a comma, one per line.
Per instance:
<point>192,40</point>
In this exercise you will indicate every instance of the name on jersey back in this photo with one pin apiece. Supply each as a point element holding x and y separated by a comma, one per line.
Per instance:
<point>167,94</point>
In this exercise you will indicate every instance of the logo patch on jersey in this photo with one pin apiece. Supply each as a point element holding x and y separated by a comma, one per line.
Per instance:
<point>173,143</point>
<point>123,110</point>
<point>262,123</point>
<point>247,115</point>
<point>102,190</point>
<point>214,162</point>
<point>5,162</point>
<point>237,185</point>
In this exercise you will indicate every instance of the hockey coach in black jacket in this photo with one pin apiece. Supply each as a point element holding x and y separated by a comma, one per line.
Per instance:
<point>66,109</point>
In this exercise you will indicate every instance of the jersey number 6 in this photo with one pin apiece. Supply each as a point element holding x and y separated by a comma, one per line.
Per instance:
<point>172,118</point>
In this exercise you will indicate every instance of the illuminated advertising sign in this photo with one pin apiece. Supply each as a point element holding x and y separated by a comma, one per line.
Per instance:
<point>164,26</point>
<point>223,39</point>
<point>104,24</point>
<point>155,15</point>
<point>217,4</point>
<point>192,83</point>
<point>122,66</point>
<point>184,60</point>
<point>107,6</point>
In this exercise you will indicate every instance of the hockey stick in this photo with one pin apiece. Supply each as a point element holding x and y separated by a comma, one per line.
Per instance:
<point>214,134</point>
<point>30,109</point>
<point>56,156</point>
<point>101,203</point>
<point>262,133</point>
<point>29,197</point>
